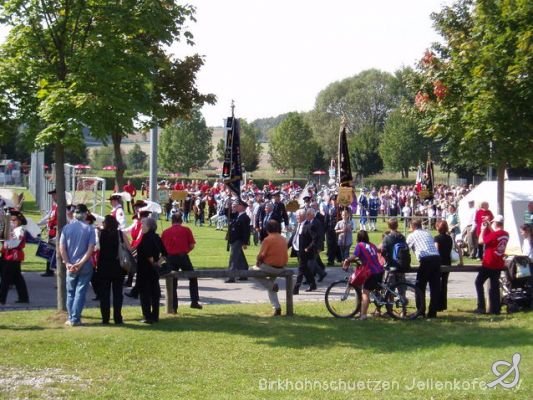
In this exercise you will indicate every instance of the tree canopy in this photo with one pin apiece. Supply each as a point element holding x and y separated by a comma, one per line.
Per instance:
<point>476,88</point>
<point>186,144</point>
<point>292,145</point>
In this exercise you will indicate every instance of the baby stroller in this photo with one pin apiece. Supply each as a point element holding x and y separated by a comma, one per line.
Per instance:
<point>517,284</point>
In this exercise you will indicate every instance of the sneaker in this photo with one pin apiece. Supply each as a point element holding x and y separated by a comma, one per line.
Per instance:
<point>198,306</point>
<point>277,312</point>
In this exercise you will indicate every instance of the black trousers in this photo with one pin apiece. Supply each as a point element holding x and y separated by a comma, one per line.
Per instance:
<point>305,268</point>
<point>105,285</point>
<point>12,275</point>
<point>429,272</point>
<point>444,291</point>
<point>183,262</point>
<point>494,289</point>
<point>333,251</point>
<point>150,293</point>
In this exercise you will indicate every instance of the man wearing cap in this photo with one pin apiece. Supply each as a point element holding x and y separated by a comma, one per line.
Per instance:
<point>50,220</point>
<point>495,240</point>
<point>362,203</point>
<point>76,245</point>
<point>117,211</point>
<point>239,238</point>
<point>279,213</point>
<point>333,251</point>
<point>374,204</point>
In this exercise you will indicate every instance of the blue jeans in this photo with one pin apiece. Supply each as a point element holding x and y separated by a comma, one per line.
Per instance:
<point>77,285</point>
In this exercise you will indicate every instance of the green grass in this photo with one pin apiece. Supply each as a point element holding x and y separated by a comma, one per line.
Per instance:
<point>231,352</point>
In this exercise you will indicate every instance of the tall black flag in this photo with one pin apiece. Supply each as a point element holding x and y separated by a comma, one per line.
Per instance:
<point>231,168</point>
<point>430,177</point>
<point>345,169</point>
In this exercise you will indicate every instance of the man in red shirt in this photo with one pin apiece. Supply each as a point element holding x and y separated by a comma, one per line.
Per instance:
<point>483,214</point>
<point>179,241</point>
<point>495,240</point>
<point>128,187</point>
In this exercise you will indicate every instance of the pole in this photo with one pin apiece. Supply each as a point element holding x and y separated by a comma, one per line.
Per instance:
<point>153,161</point>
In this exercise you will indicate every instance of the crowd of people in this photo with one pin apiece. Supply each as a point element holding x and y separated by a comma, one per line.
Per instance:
<point>308,221</point>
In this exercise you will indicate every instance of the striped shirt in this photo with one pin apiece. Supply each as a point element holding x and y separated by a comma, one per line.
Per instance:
<point>422,243</point>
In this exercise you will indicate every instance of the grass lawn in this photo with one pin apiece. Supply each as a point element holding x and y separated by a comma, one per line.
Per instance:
<point>238,352</point>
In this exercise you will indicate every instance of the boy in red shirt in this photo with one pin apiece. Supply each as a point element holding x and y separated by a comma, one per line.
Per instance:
<point>495,240</point>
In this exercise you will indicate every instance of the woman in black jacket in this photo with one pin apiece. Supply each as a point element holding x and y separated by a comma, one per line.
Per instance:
<point>444,244</point>
<point>109,273</point>
<point>149,251</point>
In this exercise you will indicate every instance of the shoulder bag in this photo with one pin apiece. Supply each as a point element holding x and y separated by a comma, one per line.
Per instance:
<point>125,258</point>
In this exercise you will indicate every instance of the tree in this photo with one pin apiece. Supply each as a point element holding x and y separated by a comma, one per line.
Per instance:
<point>136,158</point>
<point>476,88</point>
<point>402,146</point>
<point>364,154</point>
<point>67,65</point>
<point>250,146</point>
<point>220,149</point>
<point>292,145</point>
<point>364,99</point>
<point>186,144</point>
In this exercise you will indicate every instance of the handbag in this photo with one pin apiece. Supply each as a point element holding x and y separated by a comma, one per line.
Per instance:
<point>125,258</point>
<point>45,250</point>
<point>360,275</point>
<point>454,256</point>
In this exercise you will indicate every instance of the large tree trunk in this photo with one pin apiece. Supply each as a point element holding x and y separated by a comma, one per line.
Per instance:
<point>501,187</point>
<point>61,273</point>
<point>119,162</point>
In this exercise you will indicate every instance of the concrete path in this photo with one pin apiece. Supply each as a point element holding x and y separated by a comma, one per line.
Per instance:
<point>42,291</point>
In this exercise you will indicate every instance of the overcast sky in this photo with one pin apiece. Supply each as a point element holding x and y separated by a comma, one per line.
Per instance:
<point>275,56</point>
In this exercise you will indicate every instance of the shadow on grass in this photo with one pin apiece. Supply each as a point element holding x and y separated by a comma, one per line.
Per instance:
<point>382,334</point>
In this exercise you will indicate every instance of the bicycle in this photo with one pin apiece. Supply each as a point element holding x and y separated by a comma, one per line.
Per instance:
<point>401,299</point>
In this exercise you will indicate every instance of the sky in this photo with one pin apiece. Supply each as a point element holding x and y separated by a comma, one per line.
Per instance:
<point>275,56</point>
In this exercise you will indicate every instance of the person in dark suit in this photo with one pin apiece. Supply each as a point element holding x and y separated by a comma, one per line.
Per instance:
<point>320,222</point>
<point>279,213</point>
<point>264,218</point>
<point>331,237</point>
<point>304,243</point>
<point>239,238</point>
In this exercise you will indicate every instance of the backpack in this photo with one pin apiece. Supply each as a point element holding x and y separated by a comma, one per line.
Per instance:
<point>401,256</point>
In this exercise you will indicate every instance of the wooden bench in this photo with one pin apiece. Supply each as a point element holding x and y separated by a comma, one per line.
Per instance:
<point>288,274</point>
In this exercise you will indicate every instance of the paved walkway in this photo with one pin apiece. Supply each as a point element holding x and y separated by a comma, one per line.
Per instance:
<point>42,291</point>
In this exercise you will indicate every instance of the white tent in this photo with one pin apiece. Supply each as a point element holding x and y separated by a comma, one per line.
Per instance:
<point>517,195</point>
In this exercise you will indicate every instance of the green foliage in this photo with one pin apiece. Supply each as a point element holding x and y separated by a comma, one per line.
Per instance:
<point>364,152</point>
<point>364,99</point>
<point>221,147</point>
<point>267,124</point>
<point>485,67</point>
<point>250,145</point>
<point>291,145</point>
<point>102,157</point>
<point>186,144</point>
<point>136,158</point>
<point>402,146</point>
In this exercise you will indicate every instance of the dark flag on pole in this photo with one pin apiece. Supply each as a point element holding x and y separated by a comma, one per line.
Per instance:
<point>231,168</point>
<point>430,179</point>
<point>345,169</point>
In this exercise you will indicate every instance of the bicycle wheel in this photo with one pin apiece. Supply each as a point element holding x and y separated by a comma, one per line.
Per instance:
<point>402,300</point>
<point>342,299</point>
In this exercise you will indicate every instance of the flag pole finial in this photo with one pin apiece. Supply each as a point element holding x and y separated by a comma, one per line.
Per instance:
<point>233,108</point>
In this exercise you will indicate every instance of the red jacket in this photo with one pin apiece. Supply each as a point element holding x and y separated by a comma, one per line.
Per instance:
<point>495,244</point>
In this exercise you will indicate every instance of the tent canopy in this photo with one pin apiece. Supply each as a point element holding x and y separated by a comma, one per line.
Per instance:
<point>517,194</point>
